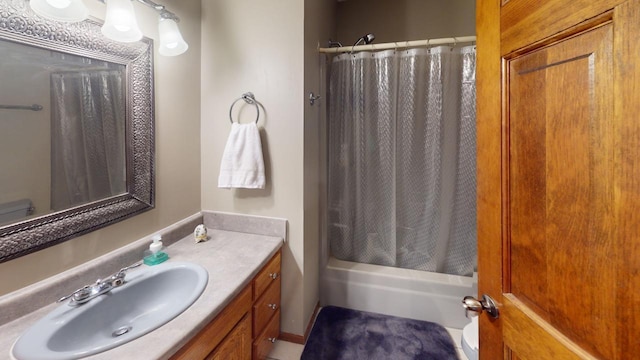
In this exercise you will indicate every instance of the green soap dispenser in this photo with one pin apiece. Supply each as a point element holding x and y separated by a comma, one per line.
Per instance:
<point>156,254</point>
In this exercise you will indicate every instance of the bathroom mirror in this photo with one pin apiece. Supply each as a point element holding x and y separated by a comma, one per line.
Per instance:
<point>76,129</point>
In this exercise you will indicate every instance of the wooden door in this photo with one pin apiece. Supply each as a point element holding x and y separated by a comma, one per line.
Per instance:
<point>559,178</point>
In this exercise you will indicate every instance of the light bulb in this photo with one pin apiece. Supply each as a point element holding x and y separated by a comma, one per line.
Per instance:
<point>60,10</point>
<point>171,41</point>
<point>120,23</point>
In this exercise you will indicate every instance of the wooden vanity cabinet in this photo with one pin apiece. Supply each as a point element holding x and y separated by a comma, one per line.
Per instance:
<point>247,327</point>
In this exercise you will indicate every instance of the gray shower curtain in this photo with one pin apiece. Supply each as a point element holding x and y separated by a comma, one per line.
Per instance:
<point>87,137</point>
<point>402,159</point>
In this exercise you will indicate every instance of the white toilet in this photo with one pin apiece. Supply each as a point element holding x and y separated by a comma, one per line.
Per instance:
<point>470,341</point>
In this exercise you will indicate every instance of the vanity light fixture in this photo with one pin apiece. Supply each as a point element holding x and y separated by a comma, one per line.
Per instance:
<point>120,21</point>
<point>60,10</point>
<point>171,41</point>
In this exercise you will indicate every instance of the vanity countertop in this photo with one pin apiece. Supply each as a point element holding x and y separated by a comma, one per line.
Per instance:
<point>232,260</point>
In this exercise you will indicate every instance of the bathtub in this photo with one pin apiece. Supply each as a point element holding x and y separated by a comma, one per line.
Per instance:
<point>399,292</point>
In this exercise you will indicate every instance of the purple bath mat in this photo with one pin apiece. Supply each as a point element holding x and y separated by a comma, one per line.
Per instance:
<point>345,334</point>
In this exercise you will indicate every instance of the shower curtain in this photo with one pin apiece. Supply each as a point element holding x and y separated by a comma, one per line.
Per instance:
<point>87,137</point>
<point>402,159</point>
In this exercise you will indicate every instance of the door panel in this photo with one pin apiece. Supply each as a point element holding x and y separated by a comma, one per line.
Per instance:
<point>561,184</point>
<point>529,335</point>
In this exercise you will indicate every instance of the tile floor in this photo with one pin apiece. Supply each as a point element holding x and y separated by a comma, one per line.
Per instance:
<point>283,350</point>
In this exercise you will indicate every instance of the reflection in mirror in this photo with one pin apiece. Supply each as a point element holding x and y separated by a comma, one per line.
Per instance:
<point>69,150</point>
<point>76,129</point>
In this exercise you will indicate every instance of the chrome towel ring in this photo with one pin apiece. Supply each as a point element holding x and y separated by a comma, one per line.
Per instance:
<point>249,99</point>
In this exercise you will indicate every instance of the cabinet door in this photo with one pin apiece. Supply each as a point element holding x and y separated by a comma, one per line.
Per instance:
<point>263,344</point>
<point>216,331</point>
<point>559,213</point>
<point>237,345</point>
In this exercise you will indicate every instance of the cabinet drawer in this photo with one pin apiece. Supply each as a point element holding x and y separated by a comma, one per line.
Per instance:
<point>269,274</point>
<point>265,307</point>
<point>264,343</point>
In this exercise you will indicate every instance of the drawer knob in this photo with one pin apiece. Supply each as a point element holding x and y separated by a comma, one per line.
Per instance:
<point>273,275</point>
<point>272,306</point>
<point>271,339</point>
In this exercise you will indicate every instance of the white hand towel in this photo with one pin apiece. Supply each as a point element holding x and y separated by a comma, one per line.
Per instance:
<point>242,163</point>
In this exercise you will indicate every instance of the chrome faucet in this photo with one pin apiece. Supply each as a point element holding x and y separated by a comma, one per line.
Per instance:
<point>89,292</point>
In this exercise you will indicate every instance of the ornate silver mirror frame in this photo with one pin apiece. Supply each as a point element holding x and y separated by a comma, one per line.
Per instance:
<point>19,24</point>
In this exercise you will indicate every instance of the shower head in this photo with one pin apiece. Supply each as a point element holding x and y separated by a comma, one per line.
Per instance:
<point>368,39</point>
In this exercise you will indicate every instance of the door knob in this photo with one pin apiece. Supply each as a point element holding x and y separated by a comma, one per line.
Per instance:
<point>474,307</point>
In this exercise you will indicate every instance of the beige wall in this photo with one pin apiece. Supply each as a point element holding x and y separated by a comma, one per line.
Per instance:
<point>254,46</point>
<point>177,93</point>
<point>260,47</point>
<point>399,20</point>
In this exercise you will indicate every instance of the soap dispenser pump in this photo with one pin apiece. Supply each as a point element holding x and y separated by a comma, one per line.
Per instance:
<point>156,254</point>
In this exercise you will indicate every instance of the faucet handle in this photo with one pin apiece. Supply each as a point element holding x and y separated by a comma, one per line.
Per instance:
<point>83,292</point>
<point>117,279</point>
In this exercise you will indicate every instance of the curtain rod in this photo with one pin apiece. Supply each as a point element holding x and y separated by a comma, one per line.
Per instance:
<point>399,44</point>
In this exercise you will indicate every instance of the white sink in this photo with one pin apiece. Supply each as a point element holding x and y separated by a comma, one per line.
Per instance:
<point>150,297</point>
